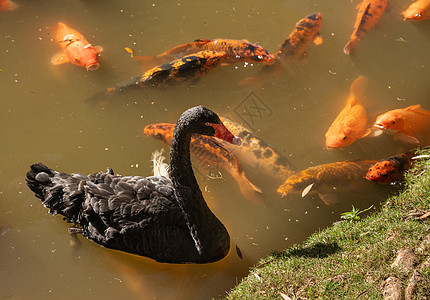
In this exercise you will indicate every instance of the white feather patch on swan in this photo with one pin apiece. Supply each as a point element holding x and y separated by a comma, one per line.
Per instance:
<point>160,168</point>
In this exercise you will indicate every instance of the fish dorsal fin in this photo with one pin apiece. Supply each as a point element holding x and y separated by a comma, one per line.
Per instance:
<point>318,39</point>
<point>358,86</point>
<point>203,41</point>
<point>417,109</point>
<point>352,101</point>
<point>414,107</point>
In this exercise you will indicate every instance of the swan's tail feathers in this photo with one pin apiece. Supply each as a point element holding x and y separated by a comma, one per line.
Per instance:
<point>160,167</point>
<point>59,192</point>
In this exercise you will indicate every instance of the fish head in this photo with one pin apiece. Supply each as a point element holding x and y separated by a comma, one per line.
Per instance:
<point>254,53</point>
<point>340,138</point>
<point>382,172</point>
<point>296,183</point>
<point>389,121</point>
<point>310,25</point>
<point>413,13</point>
<point>161,131</point>
<point>82,54</point>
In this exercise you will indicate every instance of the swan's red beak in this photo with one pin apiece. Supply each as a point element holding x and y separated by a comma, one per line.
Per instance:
<point>223,133</point>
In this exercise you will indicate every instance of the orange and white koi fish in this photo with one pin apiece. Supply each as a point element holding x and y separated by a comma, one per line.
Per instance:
<point>419,11</point>
<point>209,151</point>
<point>8,5</point>
<point>76,49</point>
<point>411,124</point>
<point>326,178</point>
<point>351,123</point>
<point>368,15</point>
<point>236,50</point>
<point>257,153</point>
<point>391,169</point>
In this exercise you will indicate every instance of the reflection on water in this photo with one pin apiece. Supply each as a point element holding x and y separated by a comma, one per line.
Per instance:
<point>45,118</point>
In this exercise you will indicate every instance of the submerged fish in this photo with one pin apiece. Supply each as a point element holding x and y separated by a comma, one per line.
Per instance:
<point>351,123</point>
<point>76,49</point>
<point>209,151</point>
<point>368,15</point>
<point>255,152</point>
<point>410,125</point>
<point>391,169</point>
<point>326,178</point>
<point>293,48</point>
<point>236,51</point>
<point>188,67</point>
<point>419,11</point>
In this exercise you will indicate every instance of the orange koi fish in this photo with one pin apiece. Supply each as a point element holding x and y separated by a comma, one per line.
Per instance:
<point>293,48</point>
<point>236,50</point>
<point>391,169</point>
<point>209,151</point>
<point>411,124</point>
<point>419,10</point>
<point>368,15</point>
<point>8,5</point>
<point>351,123</point>
<point>323,179</point>
<point>255,152</point>
<point>76,49</point>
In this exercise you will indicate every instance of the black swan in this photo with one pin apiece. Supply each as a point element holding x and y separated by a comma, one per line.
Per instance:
<point>164,219</point>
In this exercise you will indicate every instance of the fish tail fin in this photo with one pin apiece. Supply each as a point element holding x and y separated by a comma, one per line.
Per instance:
<point>350,47</point>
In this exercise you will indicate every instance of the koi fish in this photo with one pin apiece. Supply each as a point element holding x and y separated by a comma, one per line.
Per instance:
<point>236,50</point>
<point>8,5</point>
<point>325,178</point>
<point>76,49</point>
<point>294,47</point>
<point>306,31</point>
<point>391,169</point>
<point>188,67</point>
<point>351,123</point>
<point>411,124</point>
<point>419,10</point>
<point>368,15</point>
<point>209,151</point>
<point>257,153</point>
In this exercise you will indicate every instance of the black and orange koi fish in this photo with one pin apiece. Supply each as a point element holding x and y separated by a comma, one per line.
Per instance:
<point>392,169</point>
<point>369,13</point>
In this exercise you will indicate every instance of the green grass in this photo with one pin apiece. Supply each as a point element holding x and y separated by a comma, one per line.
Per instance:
<point>351,259</point>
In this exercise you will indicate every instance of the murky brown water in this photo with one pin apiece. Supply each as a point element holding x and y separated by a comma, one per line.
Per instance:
<point>44,118</point>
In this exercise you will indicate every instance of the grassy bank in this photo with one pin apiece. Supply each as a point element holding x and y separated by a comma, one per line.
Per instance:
<point>354,259</point>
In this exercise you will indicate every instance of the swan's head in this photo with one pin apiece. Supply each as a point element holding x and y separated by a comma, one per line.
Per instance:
<point>203,121</point>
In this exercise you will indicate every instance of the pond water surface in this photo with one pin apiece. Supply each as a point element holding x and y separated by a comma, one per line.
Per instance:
<point>44,118</point>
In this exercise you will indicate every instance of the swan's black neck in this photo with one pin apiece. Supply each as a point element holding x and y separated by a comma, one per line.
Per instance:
<point>209,234</point>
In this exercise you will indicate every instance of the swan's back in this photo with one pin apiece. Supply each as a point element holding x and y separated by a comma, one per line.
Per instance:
<point>130,213</point>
